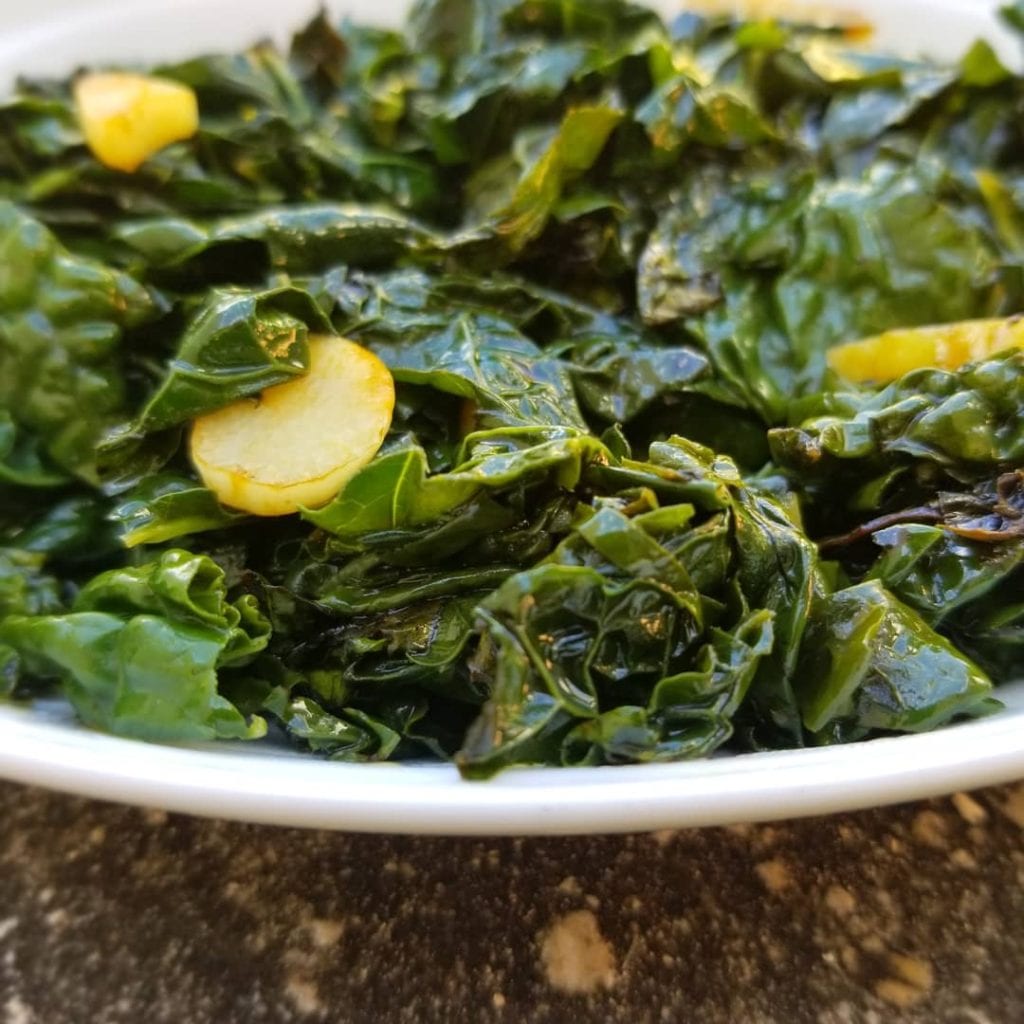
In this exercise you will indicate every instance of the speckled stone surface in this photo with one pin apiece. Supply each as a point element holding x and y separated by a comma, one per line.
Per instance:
<point>113,915</point>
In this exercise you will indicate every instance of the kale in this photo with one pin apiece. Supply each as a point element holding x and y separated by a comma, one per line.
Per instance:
<point>625,511</point>
<point>139,651</point>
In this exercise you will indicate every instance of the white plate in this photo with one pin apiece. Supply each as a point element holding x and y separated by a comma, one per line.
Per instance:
<point>42,745</point>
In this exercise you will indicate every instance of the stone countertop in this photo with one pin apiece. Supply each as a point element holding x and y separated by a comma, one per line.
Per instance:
<point>910,914</point>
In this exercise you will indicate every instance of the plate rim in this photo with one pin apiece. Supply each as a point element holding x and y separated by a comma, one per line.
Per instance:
<point>266,786</point>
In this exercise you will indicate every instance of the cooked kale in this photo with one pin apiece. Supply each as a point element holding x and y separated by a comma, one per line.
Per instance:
<point>625,512</point>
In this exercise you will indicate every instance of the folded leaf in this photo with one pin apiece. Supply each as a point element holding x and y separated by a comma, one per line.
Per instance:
<point>964,422</point>
<point>690,714</point>
<point>166,507</point>
<point>297,238</point>
<point>872,664</point>
<point>139,653</point>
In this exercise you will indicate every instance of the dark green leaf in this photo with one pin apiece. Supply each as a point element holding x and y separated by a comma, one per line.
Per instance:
<point>294,238</point>
<point>239,344</point>
<point>965,422</point>
<point>165,507</point>
<point>690,714</point>
<point>873,664</point>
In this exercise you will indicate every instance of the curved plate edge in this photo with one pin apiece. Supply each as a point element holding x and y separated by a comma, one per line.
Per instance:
<point>273,787</point>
